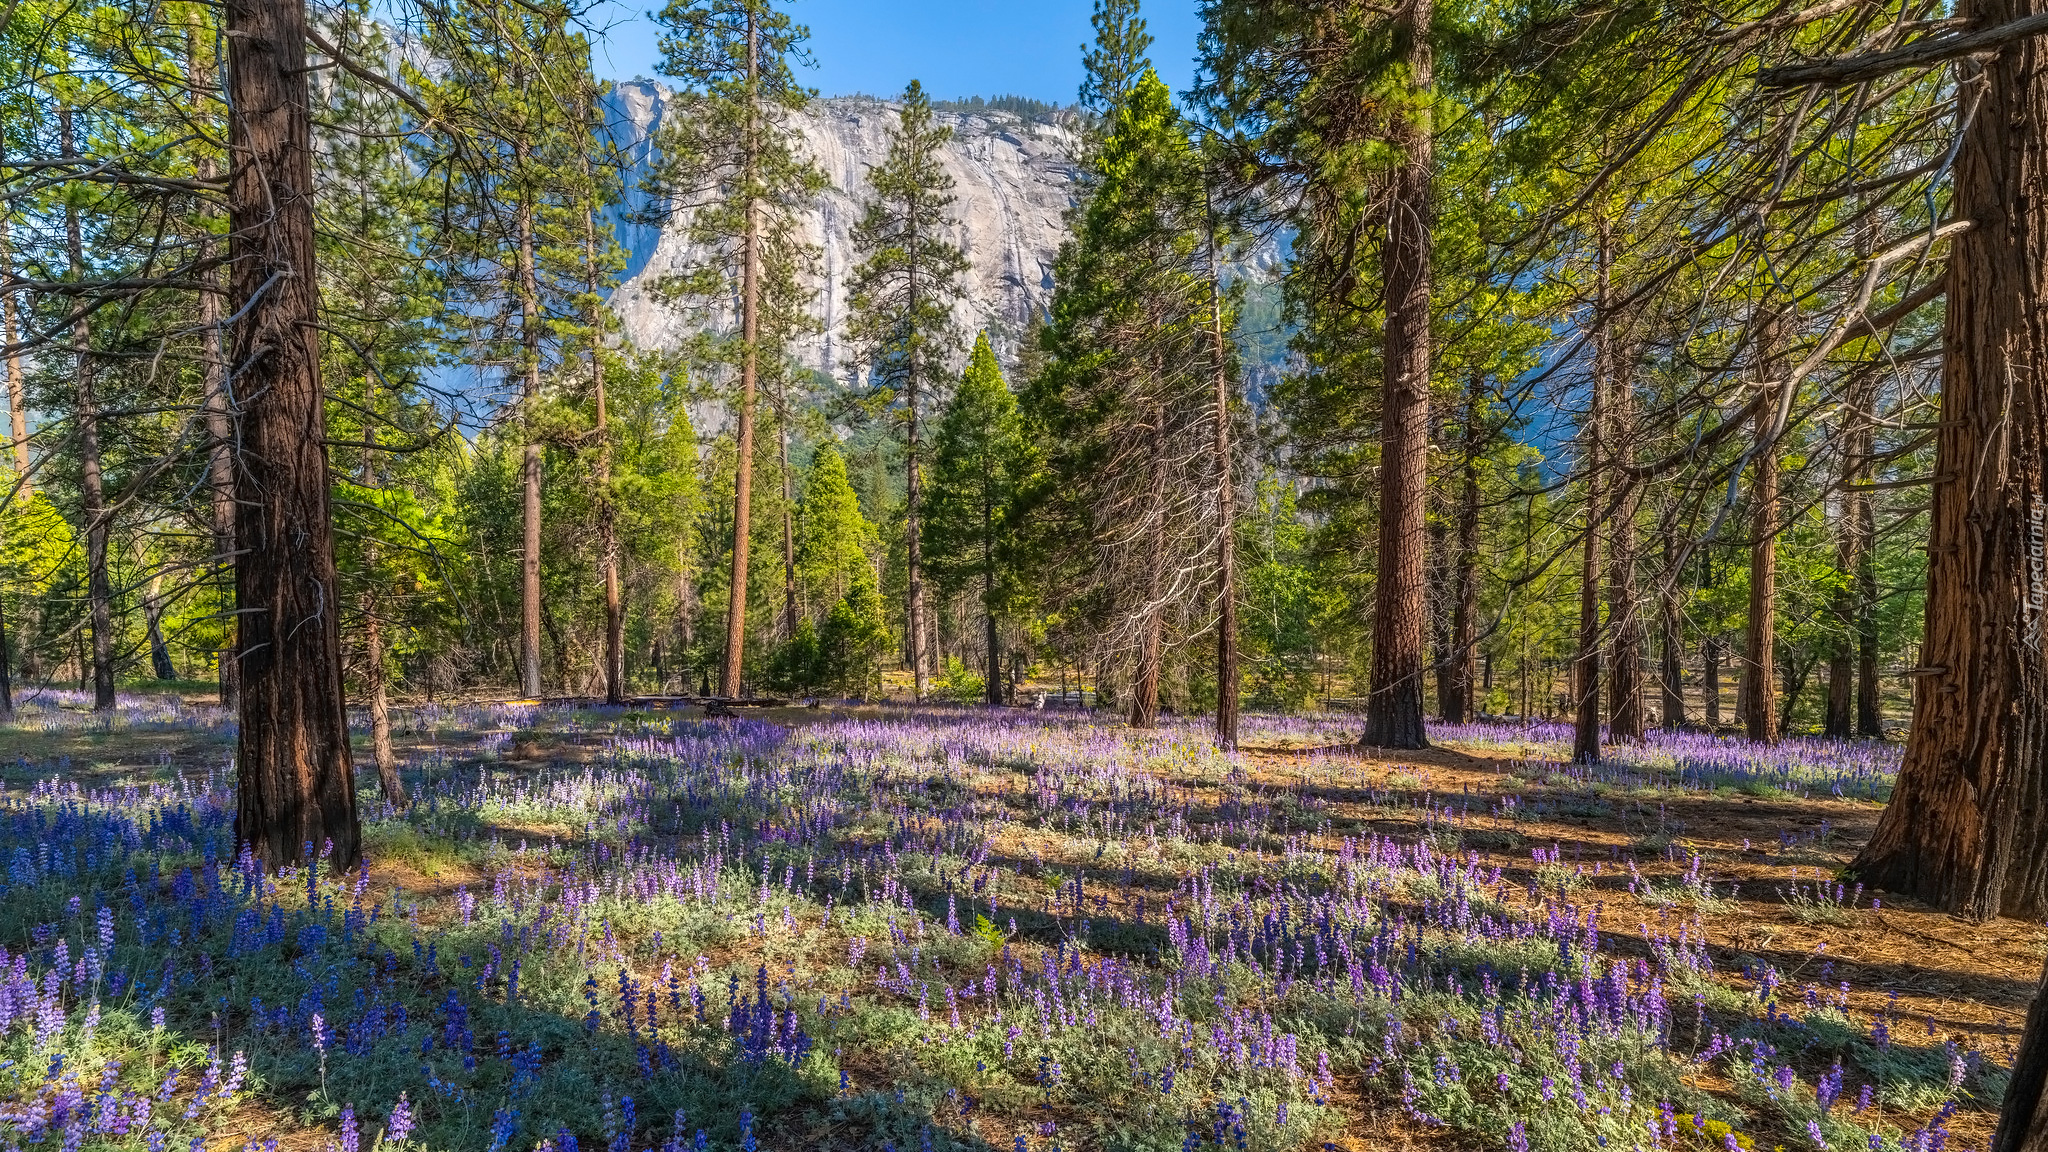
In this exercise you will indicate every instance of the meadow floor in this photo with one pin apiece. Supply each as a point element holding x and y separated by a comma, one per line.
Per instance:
<point>946,928</point>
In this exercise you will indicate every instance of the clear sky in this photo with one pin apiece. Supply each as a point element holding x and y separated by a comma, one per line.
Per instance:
<point>958,48</point>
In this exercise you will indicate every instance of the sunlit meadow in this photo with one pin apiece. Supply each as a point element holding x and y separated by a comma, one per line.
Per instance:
<point>927,930</point>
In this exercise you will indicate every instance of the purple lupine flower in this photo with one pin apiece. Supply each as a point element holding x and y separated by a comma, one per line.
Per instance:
<point>351,1136</point>
<point>1813,1133</point>
<point>399,1126</point>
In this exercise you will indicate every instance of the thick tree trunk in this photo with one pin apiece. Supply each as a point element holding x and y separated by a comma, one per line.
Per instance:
<point>91,485</point>
<point>2023,1121</point>
<point>1759,671</point>
<point>1393,717</point>
<point>1967,826</point>
<point>296,781</point>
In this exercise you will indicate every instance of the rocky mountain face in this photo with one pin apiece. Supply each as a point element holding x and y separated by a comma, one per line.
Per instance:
<point>1012,183</point>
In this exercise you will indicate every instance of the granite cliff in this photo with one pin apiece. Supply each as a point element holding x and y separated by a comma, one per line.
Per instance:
<point>1012,181</point>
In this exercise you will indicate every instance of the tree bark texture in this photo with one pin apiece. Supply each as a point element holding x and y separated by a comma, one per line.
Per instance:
<point>1393,716</point>
<point>1967,826</point>
<point>296,783</point>
<point>2023,1120</point>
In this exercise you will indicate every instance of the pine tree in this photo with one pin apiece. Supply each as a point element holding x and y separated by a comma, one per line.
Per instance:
<point>981,461</point>
<point>730,158</point>
<point>837,543</point>
<point>1120,56</point>
<point>1124,403</point>
<point>902,297</point>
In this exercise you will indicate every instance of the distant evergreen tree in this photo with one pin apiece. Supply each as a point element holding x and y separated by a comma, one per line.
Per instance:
<point>837,541</point>
<point>981,459</point>
<point>903,294</point>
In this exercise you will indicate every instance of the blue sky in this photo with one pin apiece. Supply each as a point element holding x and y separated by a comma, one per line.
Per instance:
<point>956,47</point>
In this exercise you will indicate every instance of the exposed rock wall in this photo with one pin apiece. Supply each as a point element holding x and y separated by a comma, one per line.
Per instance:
<point>1012,178</point>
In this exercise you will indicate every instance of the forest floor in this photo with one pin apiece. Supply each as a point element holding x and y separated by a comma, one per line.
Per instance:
<point>945,928</point>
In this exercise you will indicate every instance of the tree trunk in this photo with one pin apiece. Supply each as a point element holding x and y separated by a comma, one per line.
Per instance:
<point>1710,681</point>
<point>1393,717</point>
<point>92,486</point>
<point>6,671</point>
<point>296,785</point>
<point>530,470</point>
<point>1455,702</point>
<point>220,469</point>
<point>1759,673</point>
<point>750,359</point>
<point>1585,679</point>
<point>373,624</point>
<point>1626,716</point>
<point>1850,609</point>
<point>1671,647</point>
<point>1869,716</point>
<point>17,387</point>
<point>1967,826</point>
<point>607,518</point>
<point>160,663</point>
<point>2023,1121</point>
<point>1145,688</point>
<point>1226,509</point>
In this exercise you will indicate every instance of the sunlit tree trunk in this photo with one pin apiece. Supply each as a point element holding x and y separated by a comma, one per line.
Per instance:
<point>1967,826</point>
<point>296,784</point>
<point>1393,716</point>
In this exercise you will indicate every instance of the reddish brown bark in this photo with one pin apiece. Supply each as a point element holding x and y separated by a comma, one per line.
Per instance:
<point>729,673</point>
<point>1393,717</point>
<point>1967,826</point>
<point>296,779</point>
